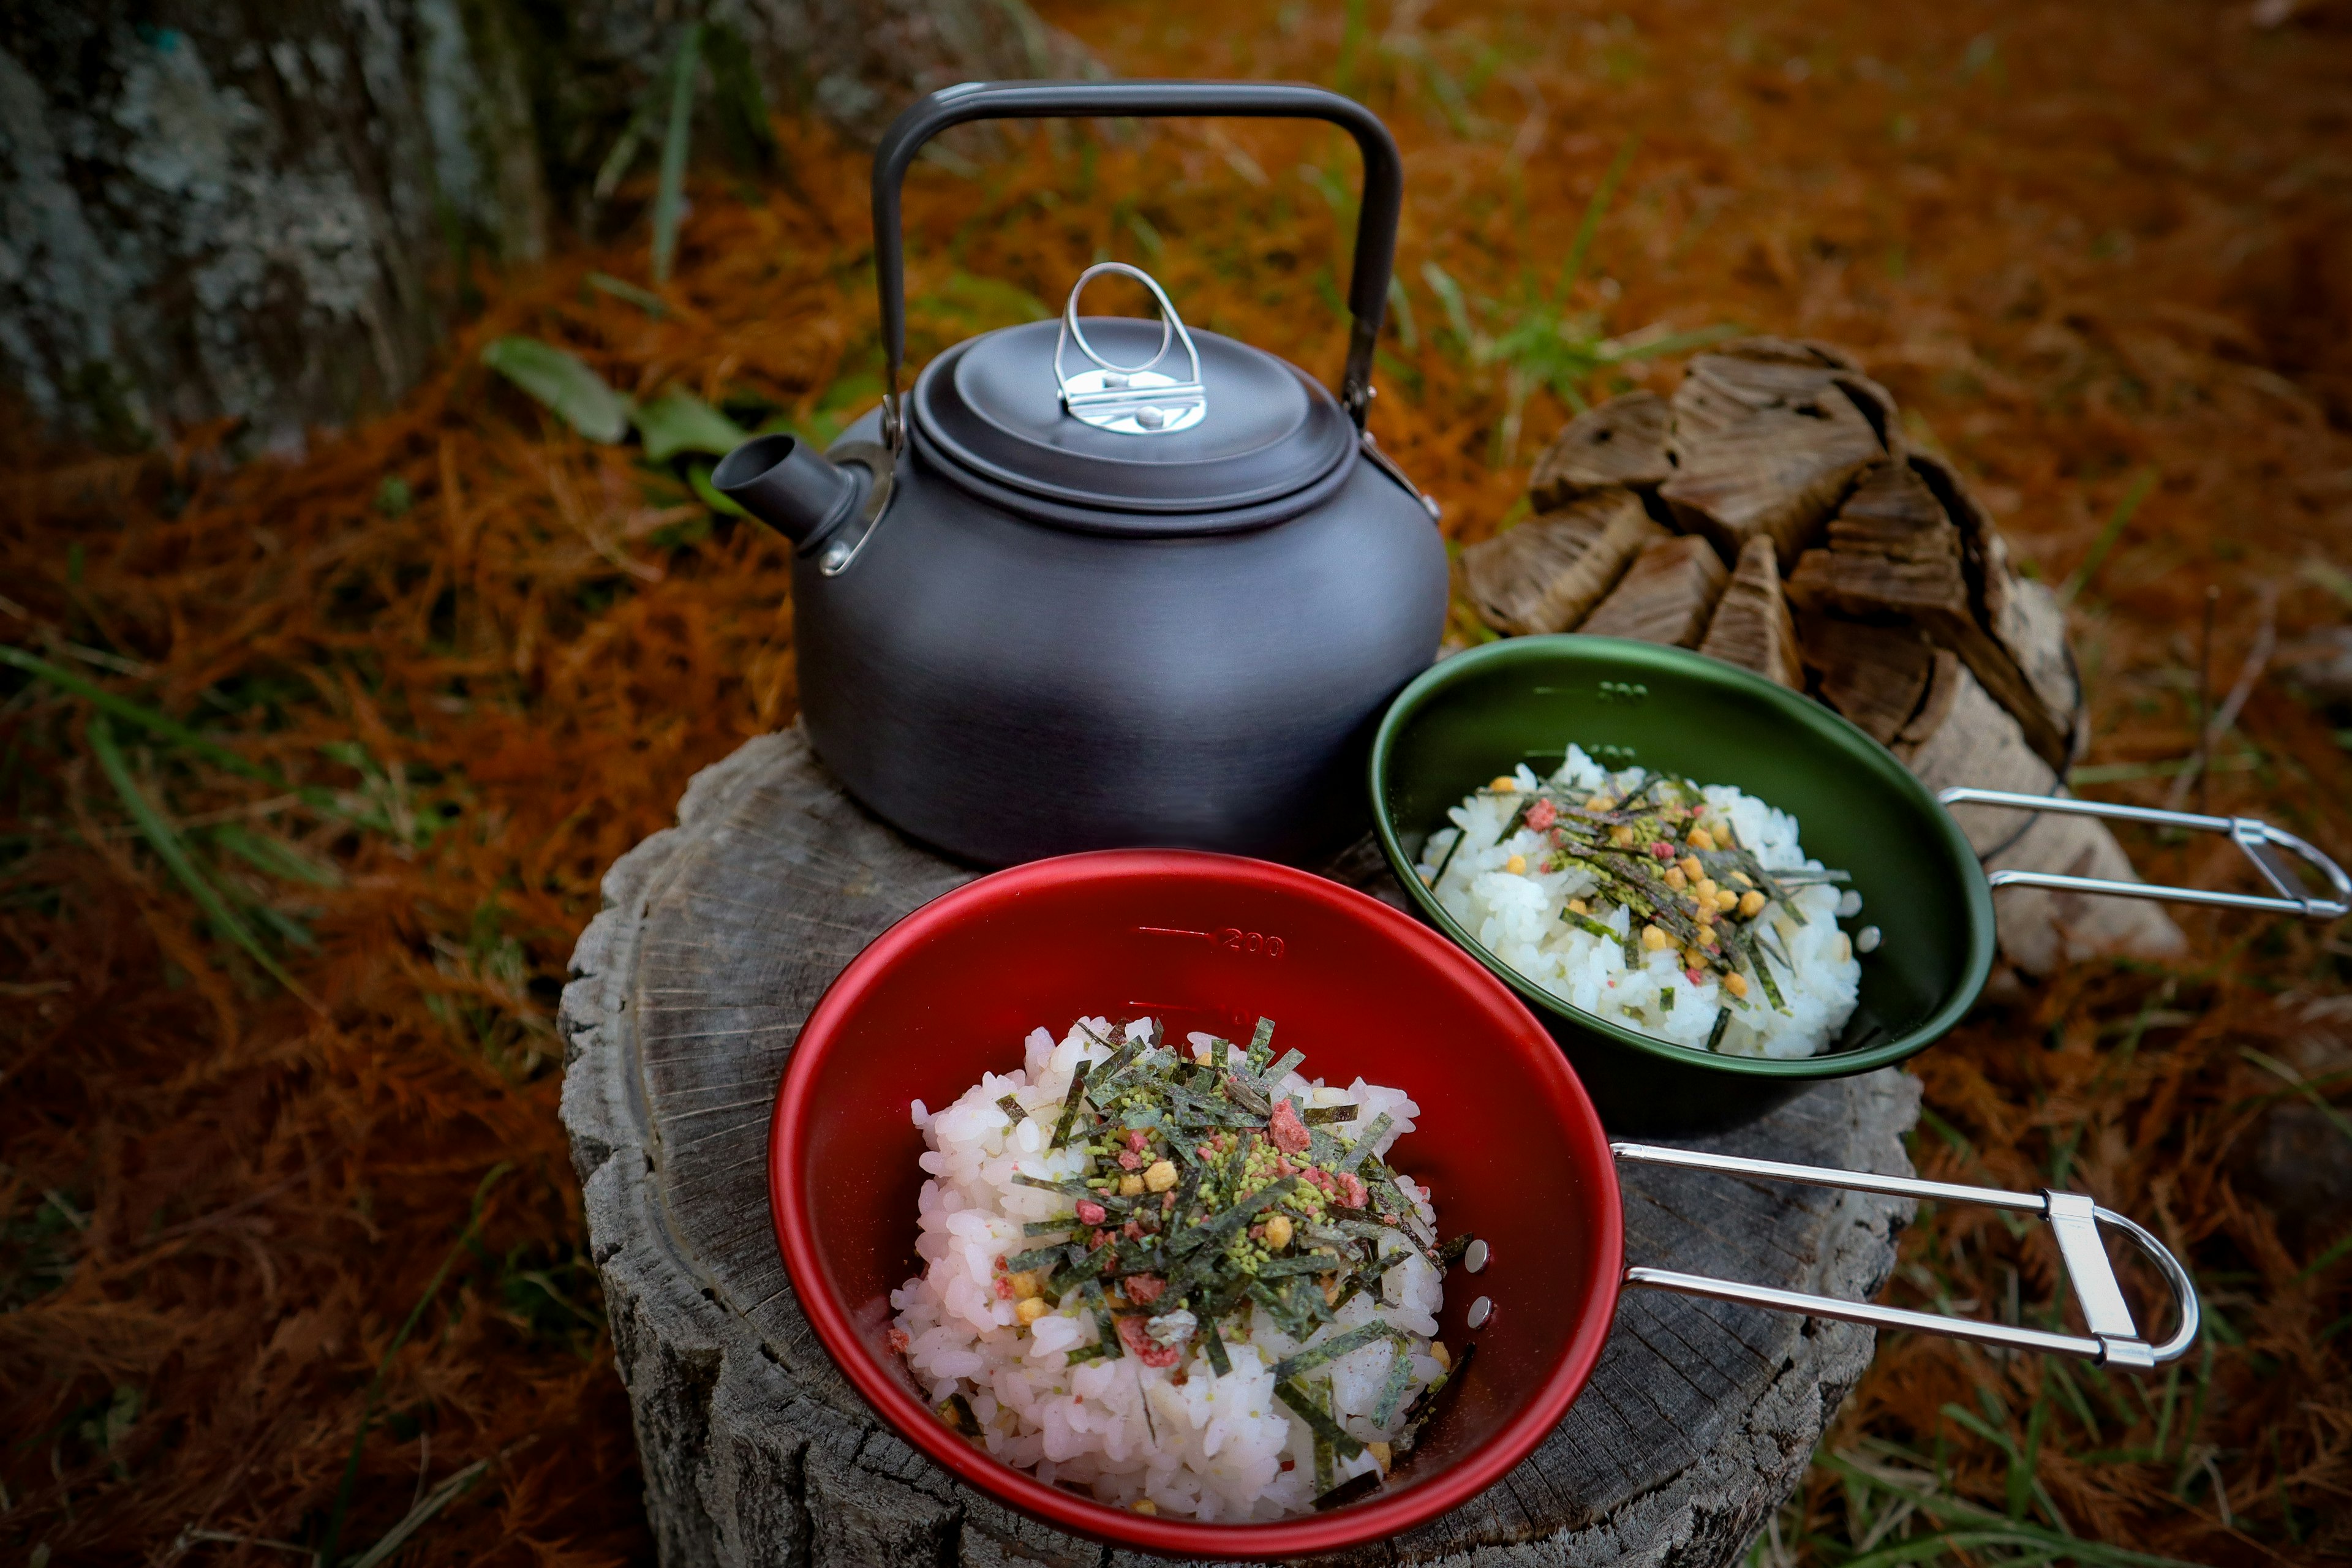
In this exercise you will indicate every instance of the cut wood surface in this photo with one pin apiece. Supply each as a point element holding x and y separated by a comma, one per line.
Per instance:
<point>1893,554</point>
<point>1751,626</point>
<point>715,940</point>
<point>1774,474</point>
<point>1623,442</point>
<point>1546,575</point>
<point>1666,595</point>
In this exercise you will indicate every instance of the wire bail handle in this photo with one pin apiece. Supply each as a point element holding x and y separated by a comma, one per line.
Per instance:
<point>2115,1339</point>
<point>1376,219</point>
<point>1132,399</point>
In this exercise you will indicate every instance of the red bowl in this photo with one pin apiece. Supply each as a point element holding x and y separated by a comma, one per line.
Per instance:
<point>1506,1138</point>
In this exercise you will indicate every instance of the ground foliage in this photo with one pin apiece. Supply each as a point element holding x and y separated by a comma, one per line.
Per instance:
<point>281,1181</point>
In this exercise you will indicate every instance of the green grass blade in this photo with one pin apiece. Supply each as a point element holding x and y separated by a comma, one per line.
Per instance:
<point>669,196</point>
<point>350,1483</point>
<point>131,713</point>
<point>276,856</point>
<point>1572,269</point>
<point>2272,1065</point>
<point>165,841</point>
<point>433,1502</point>
<point>2117,520</point>
<point>644,299</point>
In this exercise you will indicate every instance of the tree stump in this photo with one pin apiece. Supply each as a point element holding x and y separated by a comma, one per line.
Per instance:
<point>1777,462</point>
<point>716,941</point>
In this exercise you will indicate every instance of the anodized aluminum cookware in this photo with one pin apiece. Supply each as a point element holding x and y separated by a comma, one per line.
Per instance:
<point>1108,581</point>
<point>1505,1139</point>
<point>1633,703</point>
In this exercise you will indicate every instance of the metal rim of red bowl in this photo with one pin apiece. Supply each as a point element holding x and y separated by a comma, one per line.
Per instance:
<point>1337,1531</point>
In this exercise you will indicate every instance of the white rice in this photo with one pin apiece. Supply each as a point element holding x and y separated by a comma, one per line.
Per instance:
<point>1517,917</point>
<point>1192,1443</point>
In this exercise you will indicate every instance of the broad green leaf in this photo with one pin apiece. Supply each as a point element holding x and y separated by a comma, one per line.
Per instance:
<point>276,856</point>
<point>563,382</point>
<point>698,478</point>
<point>677,420</point>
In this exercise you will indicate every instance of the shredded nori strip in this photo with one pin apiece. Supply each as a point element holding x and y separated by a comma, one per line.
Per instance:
<point>1081,1266</point>
<point>1273,1074</point>
<point>1307,1263</point>
<point>1105,1326</point>
<point>1072,1188</point>
<point>956,1411</point>
<point>1187,1191</point>
<point>1323,1115</point>
<point>1666,999</point>
<point>1367,1141</point>
<point>1459,835</point>
<point>1086,1354</point>
<point>1261,1045</point>
<point>1451,1253</point>
<point>1763,972</point>
<point>1070,1106</point>
<point>1400,1379</point>
<point>1722,1022</point>
<point>1230,1222</point>
<point>1322,1425</point>
<point>1219,1362</point>
<point>1321,1394</point>
<point>1023,1262</point>
<point>1011,1107</point>
<point>1049,1226</point>
<point>1585,922</point>
<point>1246,1095</point>
<point>1423,1408</point>
<point>1362,1485</point>
<point>1332,1349</point>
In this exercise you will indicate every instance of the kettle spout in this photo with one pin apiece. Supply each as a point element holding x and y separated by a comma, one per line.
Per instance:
<point>781,480</point>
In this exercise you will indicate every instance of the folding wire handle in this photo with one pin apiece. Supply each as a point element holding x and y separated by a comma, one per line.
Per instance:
<point>1132,399</point>
<point>2115,1339</point>
<point>2257,839</point>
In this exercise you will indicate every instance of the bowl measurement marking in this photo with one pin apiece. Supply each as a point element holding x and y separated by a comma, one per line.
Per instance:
<point>1252,943</point>
<point>1623,691</point>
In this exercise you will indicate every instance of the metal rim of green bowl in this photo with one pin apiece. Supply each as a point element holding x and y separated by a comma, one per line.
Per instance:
<point>1816,721</point>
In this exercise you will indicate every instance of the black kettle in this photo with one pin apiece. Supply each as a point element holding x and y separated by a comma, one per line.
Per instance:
<point>1106,582</point>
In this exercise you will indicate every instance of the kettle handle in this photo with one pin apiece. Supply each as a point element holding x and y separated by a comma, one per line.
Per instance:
<point>1376,224</point>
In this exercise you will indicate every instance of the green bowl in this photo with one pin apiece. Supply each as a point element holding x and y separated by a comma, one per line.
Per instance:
<point>1483,712</point>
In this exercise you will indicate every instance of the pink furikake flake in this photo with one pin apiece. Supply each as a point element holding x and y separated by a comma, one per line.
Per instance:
<point>1287,1132</point>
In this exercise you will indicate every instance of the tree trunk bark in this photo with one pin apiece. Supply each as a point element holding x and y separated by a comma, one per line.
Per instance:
<point>260,210</point>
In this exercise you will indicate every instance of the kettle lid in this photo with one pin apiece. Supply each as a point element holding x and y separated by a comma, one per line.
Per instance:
<point>1140,427</point>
